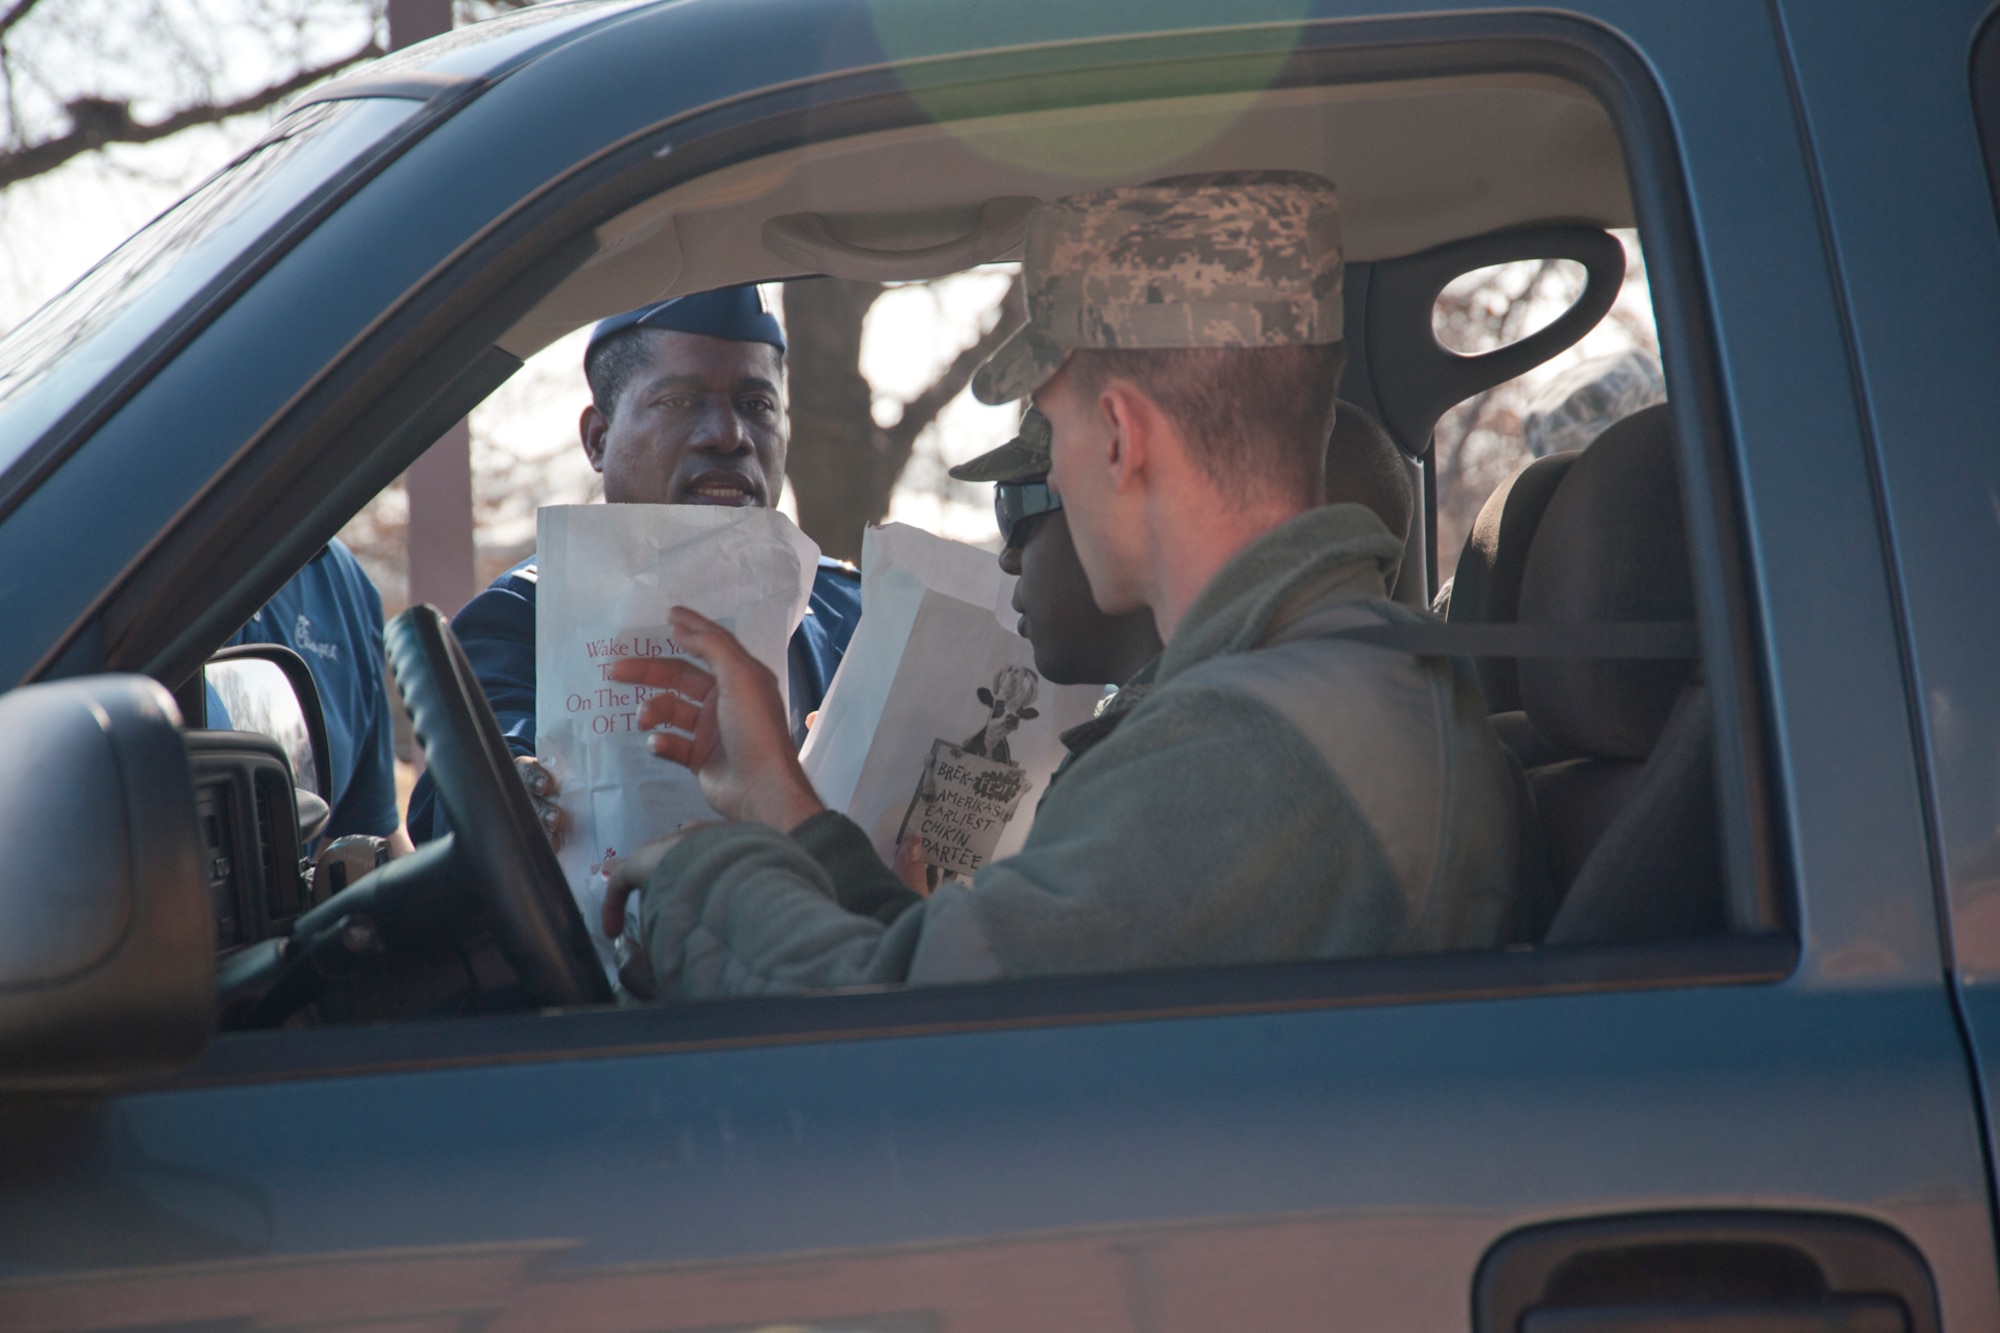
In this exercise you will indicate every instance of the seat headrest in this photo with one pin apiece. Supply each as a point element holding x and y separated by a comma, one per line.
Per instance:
<point>1611,546</point>
<point>1486,589</point>
<point>1365,466</point>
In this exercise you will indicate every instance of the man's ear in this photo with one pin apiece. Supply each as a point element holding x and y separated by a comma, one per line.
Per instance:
<point>591,428</point>
<point>1129,420</point>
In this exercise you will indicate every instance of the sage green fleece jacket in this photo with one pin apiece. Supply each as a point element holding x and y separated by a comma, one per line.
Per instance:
<point>1280,794</point>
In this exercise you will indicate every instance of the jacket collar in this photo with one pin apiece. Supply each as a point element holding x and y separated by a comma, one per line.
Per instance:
<point>1336,552</point>
<point>1111,710</point>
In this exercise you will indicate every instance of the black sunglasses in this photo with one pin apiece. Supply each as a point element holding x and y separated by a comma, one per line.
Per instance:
<point>1014,502</point>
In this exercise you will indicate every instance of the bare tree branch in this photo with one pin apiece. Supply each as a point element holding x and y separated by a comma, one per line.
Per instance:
<point>95,122</point>
<point>843,467</point>
<point>920,411</point>
<point>15,13</point>
<point>8,102</point>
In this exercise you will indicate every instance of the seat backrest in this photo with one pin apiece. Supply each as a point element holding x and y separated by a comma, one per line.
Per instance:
<point>1611,546</point>
<point>1630,821</point>
<point>1486,589</point>
<point>1655,873</point>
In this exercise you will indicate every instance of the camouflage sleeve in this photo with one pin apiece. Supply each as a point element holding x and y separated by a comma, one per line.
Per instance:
<point>861,882</point>
<point>741,909</point>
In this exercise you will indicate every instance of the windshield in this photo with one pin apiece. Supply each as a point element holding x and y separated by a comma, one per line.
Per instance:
<point>66,349</point>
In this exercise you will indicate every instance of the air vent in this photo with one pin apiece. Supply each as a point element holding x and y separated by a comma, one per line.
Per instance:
<point>277,849</point>
<point>218,845</point>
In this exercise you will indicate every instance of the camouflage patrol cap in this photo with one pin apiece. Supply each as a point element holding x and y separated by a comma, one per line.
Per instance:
<point>1221,259</point>
<point>1023,458</point>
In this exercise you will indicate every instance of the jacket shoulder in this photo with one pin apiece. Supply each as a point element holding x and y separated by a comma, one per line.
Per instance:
<point>836,598</point>
<point>836,579</point>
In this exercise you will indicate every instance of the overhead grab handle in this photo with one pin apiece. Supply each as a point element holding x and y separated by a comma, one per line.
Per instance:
<point>810,241</point>
<point>1426,379</point>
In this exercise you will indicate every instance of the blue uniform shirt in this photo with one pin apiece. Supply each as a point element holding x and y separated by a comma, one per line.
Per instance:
<point>497,629</point>
<point>331,615</point>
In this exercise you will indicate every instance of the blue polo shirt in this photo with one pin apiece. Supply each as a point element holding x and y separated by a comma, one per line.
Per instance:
<point>331,615</point>
<point>497,630</point>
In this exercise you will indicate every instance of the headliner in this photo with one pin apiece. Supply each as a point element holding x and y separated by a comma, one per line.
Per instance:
<point>1418,163</point>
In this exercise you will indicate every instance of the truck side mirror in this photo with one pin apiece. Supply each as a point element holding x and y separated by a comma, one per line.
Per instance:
<point>107,940</point>
<point>268,689</point>
<point>263,787</point>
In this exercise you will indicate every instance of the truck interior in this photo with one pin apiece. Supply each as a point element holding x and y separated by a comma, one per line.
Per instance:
<point>1641,765</point>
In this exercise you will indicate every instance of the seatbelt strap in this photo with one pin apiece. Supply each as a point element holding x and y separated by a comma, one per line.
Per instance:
<point>1625,640</point>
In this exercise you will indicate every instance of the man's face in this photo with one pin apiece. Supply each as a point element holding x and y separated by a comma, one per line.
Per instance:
<point>1058,615</point>
<point>702,423</point>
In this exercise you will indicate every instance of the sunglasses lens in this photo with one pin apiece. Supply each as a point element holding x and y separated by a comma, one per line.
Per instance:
<point>1014,502</point>
<point>1004,514</point>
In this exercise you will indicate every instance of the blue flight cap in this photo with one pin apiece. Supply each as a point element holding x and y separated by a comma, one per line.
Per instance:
<point>736,313</point>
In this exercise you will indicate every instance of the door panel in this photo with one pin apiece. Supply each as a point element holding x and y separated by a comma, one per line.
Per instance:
<point>1269,1171</point>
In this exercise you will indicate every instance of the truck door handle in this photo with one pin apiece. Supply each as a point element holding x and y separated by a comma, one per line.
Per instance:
<point>1841,1314</point>
<point>1705,1272</point>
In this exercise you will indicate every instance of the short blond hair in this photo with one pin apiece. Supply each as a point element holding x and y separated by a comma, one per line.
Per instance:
<point>1255,418</point>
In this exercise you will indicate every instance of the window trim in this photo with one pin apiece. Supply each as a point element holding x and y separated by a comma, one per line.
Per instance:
<point>475,295</point>
<point>430,1045</point>
<point>27,472</point>
<point>1983,74</point>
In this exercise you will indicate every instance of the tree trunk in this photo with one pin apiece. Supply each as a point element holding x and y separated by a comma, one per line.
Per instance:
<point>843,466</point>
<point>840,469</point>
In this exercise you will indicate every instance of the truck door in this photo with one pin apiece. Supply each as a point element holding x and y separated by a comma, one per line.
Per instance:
<point>1763,1128</point>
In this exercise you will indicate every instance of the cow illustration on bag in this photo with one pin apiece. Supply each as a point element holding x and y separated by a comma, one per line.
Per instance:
<point>970,791</point>
<point>1013,690</point>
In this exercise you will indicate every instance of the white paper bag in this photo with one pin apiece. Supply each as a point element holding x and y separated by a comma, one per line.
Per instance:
<point>937,723</point>
<point>609,575</point>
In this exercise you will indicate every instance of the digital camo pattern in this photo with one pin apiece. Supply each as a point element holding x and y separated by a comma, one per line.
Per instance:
<point>1223,259</point>
<point>1024,457</point>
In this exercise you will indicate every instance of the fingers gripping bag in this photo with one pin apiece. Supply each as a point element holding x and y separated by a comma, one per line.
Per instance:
<point>937,723</point>
<point>609,575</point>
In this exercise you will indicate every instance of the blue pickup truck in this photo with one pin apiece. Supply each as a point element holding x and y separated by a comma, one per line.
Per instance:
<point>1743,1080</point>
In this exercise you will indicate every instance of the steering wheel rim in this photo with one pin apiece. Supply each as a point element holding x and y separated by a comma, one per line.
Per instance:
<point>514,869</point>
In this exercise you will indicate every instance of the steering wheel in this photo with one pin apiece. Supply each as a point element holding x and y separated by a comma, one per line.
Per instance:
<point>500,840</point>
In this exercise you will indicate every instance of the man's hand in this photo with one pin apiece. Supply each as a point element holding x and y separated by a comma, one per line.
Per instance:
<point>729,725</point>
<point>542,790</point>
<point>626,875</point>
<point>912,868</point>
